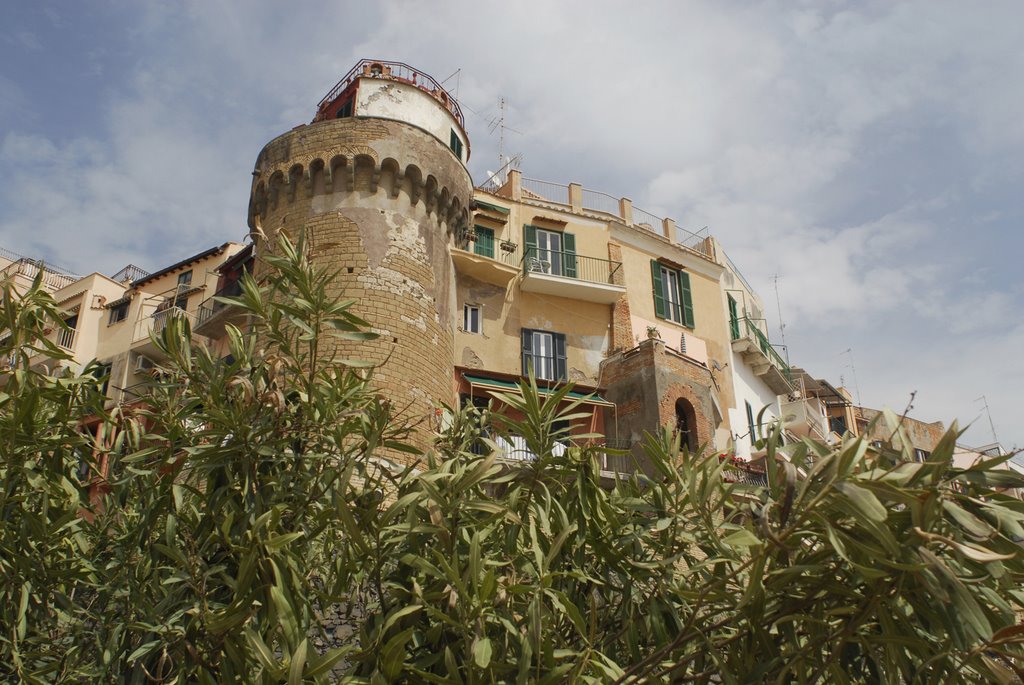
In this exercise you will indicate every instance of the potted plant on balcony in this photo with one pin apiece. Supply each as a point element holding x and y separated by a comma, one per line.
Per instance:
<point>508,246</point>
<point>470,236</point>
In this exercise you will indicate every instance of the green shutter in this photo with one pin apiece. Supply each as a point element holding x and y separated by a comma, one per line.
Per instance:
<point>660,305</point>
<point>684,288</point>
<point>484,245</point>
<point>734,319</point>
<point>569,255</point>
<point>530,240</point>
<point>527,351</point>
<point>560,357</point>
<point>750,424</point>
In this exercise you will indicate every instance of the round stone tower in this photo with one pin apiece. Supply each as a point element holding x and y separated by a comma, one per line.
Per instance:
<point>378,181</point>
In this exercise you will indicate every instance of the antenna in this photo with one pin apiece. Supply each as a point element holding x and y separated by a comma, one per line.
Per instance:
<point>457,75</point>
<point>990,424</point>
<point>499,124</point>
<point>853,370</point>
<point>778,304</point>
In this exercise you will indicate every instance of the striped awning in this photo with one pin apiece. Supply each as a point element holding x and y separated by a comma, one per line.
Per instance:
<point>508,386</point>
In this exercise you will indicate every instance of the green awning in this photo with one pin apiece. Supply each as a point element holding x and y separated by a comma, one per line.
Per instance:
<point>509,386</point>
<point>493,208</point>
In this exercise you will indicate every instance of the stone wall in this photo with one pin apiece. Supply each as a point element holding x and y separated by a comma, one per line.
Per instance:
<point>645,383</point>
<point>378,201</point>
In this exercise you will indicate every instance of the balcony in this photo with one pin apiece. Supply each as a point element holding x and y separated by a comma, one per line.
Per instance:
<point>213,315</point>
<point>806,418</point>
<point>66,339</point>
<point>154,325</point>
<point>757,352</point>
<point>566,274</point>
<point>497,270</point>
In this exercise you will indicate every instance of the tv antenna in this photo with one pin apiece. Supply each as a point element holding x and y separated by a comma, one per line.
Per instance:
<point>853,369</point>
<point>778,304</point>
<point>498,123</point>
<point>457,75</point>
<point>989,414</point>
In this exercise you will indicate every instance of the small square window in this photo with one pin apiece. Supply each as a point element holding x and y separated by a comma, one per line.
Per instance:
<point>185,277</point>
<point>472,321</point>
<point>118,313</point>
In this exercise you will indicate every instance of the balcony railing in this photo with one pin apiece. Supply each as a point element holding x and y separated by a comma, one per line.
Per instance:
<point>29,268</point>
<point>739,471</point>
<point>211,305</point>
<point>505,251</point>
<point>571,265</point>
<point>749,329</point>
<point>66,338</point>
<point>394,71</point>
<point>157,322</point>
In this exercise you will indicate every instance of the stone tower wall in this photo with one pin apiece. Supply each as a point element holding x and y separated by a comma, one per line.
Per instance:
<point>378,200</point>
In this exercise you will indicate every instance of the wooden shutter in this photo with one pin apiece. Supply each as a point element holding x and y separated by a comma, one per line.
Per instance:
<point>734,319</point>
<point>527,351</point>
<point>560,357</point>
<point>569,255</point>
<point>684,290</point>
<point>484,242</point>
<point>530,241</point>
<point>660,305</point>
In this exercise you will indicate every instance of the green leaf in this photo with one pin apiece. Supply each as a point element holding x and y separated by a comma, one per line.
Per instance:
<point>482,652</point>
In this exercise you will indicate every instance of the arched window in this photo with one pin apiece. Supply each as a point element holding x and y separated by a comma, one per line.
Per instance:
<point>686,424</point>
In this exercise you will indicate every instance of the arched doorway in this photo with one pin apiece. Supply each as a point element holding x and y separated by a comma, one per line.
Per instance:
<point>686,424</point>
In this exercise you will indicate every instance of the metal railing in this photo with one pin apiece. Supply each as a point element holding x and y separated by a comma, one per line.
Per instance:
<point>644,219</point>
<point>545,190</point>
<point>505,251</point>
<point>750,330</point>
<point>66,338</point>
<point>29,268</point>
<point>694,241</point>
<point>211,306</point>
<point>398,71</point>
<point>130,273</point>
<point>157,322</point>
<point>601,202</point>
<point>571,265</point>
<point>739,275</point>
<point>744,473</point>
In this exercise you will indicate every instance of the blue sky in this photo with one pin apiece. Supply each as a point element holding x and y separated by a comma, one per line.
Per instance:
<point>868,153</point>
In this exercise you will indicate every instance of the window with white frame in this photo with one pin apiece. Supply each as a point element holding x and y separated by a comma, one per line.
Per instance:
<point>472,319</point>
<point>544,354</point>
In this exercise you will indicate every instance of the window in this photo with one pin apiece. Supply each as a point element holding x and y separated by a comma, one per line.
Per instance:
<point>456,144</point>
<point>550,252</point>
<point>344,111</point>
<point>672,299</point>
<point>921,455</point>
<point>484,245</point>
<point>734,319</point>
<point>118,313</point>
<point>544,355</point>
<point>102,372</point>
<point>472,322</point>
<point>750,423</point>
<point>181,295</point>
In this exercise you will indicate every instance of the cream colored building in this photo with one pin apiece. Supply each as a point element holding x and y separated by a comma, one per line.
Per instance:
<point>583,287</point>
<point>110,320</point>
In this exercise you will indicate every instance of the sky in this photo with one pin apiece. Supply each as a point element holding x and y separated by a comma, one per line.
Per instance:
<point>861,162</point>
